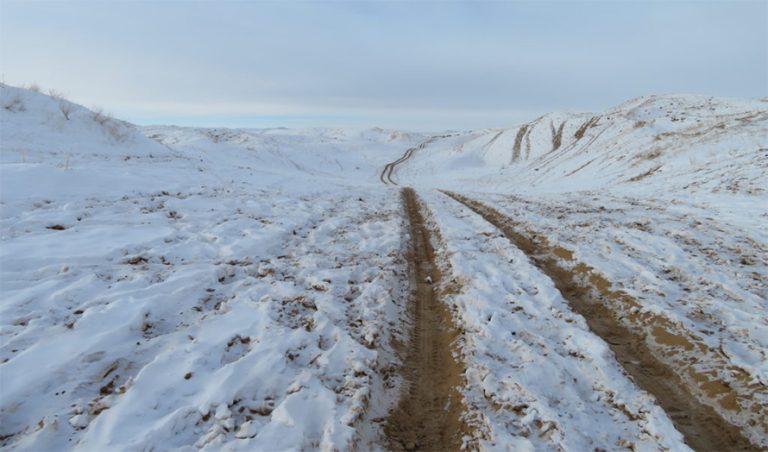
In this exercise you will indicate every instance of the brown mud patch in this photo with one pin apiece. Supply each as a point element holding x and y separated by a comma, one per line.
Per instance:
<point>663,358</point>
<point>429,415</point>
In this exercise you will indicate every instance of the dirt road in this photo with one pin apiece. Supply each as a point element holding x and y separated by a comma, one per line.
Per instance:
<point>386,174</point>
<point>703,428</point>
<point>428,416</point>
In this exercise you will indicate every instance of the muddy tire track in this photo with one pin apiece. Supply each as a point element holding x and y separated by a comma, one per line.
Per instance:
<point>386,174</point>
<point>428,416</point>
<point>703,427</point>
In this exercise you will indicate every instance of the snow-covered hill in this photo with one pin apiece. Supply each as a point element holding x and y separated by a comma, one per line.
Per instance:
<point>35,123</point>
<point>147,283</point>
<point>680,143</point>
<point>181,288</point>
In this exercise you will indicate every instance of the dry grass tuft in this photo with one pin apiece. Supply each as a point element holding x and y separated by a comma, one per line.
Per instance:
<point>644,175</point>
<point>652,154</point>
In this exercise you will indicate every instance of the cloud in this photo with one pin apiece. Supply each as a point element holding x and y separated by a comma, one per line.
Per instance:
<point>382,61</point>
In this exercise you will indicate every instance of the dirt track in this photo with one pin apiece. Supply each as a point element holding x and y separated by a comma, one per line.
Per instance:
<point>703,428</point>
<point>386,174</point>
<point>428,416</point>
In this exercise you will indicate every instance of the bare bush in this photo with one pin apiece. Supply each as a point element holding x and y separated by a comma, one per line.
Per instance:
<point>34,87</point>
<point>65,107</point>
<point>14,104</point>
<point>116,130</point>
<point>100,117</point>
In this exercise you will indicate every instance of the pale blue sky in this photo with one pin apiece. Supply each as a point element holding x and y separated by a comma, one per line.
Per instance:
<point>413,65</point>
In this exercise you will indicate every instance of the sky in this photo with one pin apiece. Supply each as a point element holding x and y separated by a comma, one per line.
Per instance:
<point>417,65</point>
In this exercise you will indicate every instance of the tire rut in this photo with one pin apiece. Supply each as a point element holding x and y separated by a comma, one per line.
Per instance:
<point>702,426</point>
<point>428,416</point>
<point>386,174</point>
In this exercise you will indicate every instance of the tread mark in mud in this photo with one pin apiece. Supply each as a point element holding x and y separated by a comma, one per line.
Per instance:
<point>386,174</point>
<point>428,415</point>
<point>702,427</point>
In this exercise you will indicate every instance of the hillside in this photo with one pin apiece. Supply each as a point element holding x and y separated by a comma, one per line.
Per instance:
<point>669,143</point>
<point>590,281</point>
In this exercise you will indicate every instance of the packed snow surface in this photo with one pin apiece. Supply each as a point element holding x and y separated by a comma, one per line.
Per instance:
<point>177,288</point>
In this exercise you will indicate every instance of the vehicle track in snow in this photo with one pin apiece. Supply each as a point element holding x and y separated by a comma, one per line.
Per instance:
<point>702,426</point>
<point>428,416</point>
<point>386,174</point>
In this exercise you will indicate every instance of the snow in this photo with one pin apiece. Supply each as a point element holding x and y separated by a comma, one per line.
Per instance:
<point>536,375</point>
<point>177,308</point>
<point>240,289</point>
<point>702,271</point>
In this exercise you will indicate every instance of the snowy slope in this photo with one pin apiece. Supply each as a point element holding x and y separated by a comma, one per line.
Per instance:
<point>202,296</point>
<point>240,289</point>
<point>692,143</point>
<point>33,121</point>
<point>351,156</point>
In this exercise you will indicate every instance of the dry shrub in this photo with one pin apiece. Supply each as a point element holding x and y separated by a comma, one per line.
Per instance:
<point>14,104</point>
<point>100,116</point>
<point>114,128</point>
<point>65,107</point>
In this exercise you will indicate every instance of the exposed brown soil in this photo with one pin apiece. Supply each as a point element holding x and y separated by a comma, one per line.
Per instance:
<point>557,135</point>
<point>589,294</point>
<point>583,128</point>
<point>428,416</point>
<point>519,142</point>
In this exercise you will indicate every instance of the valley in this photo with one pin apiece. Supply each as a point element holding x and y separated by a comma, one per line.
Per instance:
<point>583,281</point>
